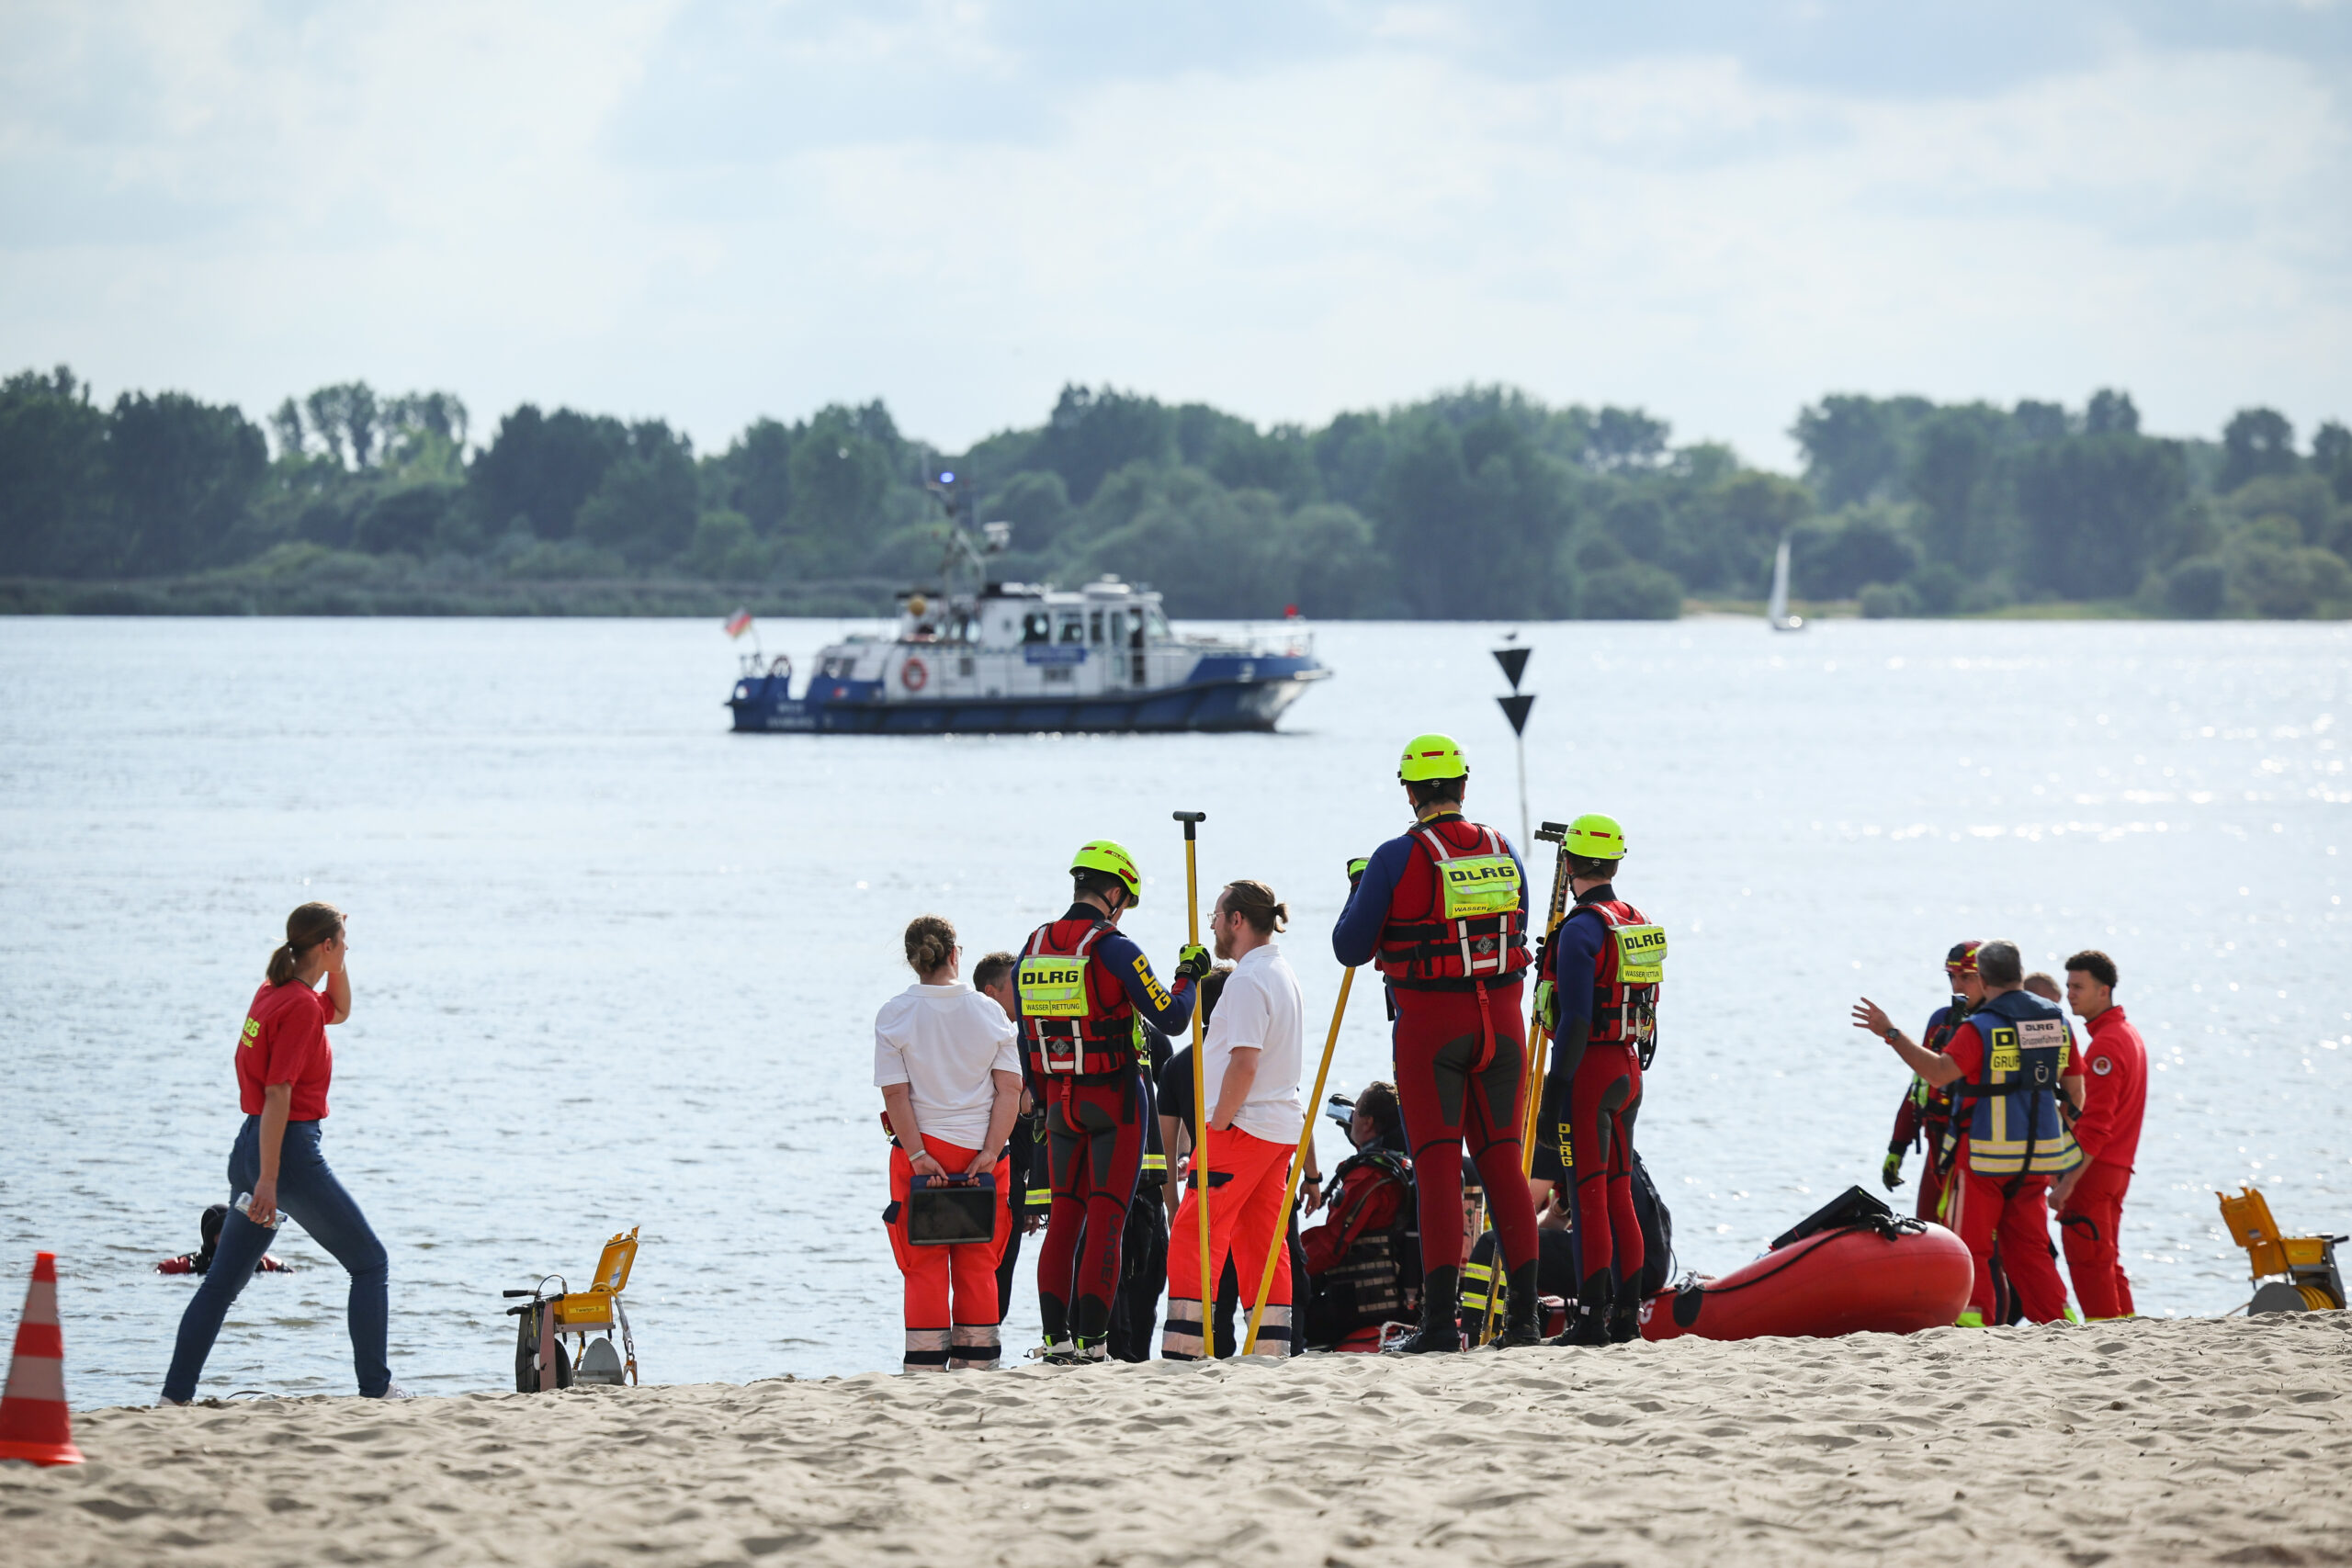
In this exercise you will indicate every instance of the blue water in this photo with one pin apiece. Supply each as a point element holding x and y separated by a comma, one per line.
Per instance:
<point>614,965</point>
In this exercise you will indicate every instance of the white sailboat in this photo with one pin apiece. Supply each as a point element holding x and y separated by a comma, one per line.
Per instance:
<point>1776,610</point>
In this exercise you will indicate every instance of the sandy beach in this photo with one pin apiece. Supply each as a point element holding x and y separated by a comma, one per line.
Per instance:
<point>2190,1441</point>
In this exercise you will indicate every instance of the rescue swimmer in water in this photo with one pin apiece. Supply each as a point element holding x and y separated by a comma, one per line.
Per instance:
<point>1082,986</point>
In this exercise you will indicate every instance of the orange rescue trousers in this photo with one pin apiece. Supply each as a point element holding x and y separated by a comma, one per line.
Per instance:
<point>1245,1178</point>
<point>938,1335</point>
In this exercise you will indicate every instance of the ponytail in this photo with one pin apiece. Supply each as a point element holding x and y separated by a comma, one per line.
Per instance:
<point>305,928</point>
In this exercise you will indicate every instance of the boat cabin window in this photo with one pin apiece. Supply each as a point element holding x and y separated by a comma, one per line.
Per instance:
<point>1073,628</point>
<point>839,669</point>
<point>1094,625</point>
<point>1157,624</point>
<point>1036,626</point>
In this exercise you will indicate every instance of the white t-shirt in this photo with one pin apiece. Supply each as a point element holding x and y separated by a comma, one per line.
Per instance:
<point>943,1041</point>
<point>1261,1007</point>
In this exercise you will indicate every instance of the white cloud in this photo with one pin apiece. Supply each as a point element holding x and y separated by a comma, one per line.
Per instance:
<point>518,204</point>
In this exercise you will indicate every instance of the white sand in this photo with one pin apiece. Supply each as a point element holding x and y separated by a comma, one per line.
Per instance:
<point>2207,1441</point>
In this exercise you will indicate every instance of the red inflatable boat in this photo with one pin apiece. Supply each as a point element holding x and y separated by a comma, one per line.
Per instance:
<point>1891,1277</point>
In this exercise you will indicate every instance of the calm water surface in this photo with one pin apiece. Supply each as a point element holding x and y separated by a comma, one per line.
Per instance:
<point>617,967</point>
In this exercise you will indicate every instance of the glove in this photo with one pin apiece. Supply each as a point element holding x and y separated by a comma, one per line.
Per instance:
<point>1191,961</point>
<point>1355,871</point>
<point>1891,1171</point>
<point>1547,1011</point>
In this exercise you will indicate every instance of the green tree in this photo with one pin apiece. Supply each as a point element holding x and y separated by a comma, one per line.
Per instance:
<point>2096,508</point>
<point>182,474</point>
<point>540,468</point>
<point>1090,434</point>
<point>2255,442</point>
<point>1855,446</point>
<point>1954,473</point>
<point>55,505</point>
<point>644,507</point>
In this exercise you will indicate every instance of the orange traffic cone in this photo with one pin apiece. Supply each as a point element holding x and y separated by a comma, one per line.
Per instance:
<point>34,1423</point>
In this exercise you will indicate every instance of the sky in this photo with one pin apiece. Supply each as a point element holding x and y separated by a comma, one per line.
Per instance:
<point>710,211</point>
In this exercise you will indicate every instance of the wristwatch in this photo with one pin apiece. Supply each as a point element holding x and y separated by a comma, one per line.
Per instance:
<point>1891,1032</point>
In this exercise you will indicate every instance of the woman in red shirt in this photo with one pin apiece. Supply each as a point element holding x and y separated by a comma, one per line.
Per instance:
<point>275,1167</point>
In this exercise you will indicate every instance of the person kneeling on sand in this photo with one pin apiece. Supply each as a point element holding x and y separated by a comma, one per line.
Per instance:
<point>1363,1262</point>
<point>950,1077</point>
<point>1251,1058</point>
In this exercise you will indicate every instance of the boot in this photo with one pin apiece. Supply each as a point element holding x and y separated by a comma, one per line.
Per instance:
<point>1440,1327</point>
<point>1519,1307</point>
<point>1589,1325</point>
<point>1625,1315</point>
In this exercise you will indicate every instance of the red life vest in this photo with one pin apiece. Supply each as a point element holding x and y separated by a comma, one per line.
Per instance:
<point>1092,1033</point>
<point>1473,925</point>
<point>1626,976</point>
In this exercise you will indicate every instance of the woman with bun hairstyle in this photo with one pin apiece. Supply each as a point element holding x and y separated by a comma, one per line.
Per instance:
<point>276,1170</point>
<point>950,1077</point>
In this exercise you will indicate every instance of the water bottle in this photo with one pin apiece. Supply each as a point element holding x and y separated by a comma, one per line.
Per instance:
<point>243,1206</point>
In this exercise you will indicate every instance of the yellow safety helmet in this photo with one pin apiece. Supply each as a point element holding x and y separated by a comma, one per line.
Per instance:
<point>1101,854</point>
<point>1595,837</point>
<point>1432,756</point>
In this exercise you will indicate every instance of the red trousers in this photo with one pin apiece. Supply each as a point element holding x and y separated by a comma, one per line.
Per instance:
<point>1245,1178</point>
<point>1597,1157</point>
<point>1461,1068</point>
<point>2088,1226</point>
<point>1981,1208</point>
<point>1095,1136</point>
<point>937,1332</point>
<point>1931,1187</point>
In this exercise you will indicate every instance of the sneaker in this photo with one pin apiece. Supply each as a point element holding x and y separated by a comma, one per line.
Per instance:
<point>392,1391</point>
<point>165,1401</point>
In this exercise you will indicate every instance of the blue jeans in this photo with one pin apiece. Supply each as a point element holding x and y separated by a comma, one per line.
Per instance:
<point>308,1194</point>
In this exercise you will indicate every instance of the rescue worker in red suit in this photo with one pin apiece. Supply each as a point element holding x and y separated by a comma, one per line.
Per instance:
<point>2006,1067</point>
<point>1082,985</point>
<point>2090,1197</point>
<point>1599,997</point>
<point>1923,1119</point>
<point>1443,910</point>
<point>1356,1259</point>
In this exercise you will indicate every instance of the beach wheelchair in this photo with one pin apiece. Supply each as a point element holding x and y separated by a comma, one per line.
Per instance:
<point>2294,1273</point>
<point>542,1362</point>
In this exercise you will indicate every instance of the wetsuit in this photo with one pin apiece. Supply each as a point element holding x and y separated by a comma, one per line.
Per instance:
<point>1025,1190</point>
<point>1591,1097</point>
<point>1081,1067</point>
<point>1923,1119</point>
<point>1461,1031</point>
<point>1143,1251</point>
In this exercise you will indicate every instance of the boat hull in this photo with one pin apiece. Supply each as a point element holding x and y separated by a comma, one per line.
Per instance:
<point>859,709</point>
<point>1845,1281</point>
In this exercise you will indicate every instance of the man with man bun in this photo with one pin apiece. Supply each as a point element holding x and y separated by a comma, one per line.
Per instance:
<point>2090,1197</point>
<point>2005,1067</point>
<point>1250,1060</point>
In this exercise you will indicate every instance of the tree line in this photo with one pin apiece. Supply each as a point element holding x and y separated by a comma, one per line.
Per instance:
<point>1481,503</point>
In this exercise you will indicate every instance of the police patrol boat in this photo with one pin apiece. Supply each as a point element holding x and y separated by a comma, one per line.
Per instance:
<point>979,656</point>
